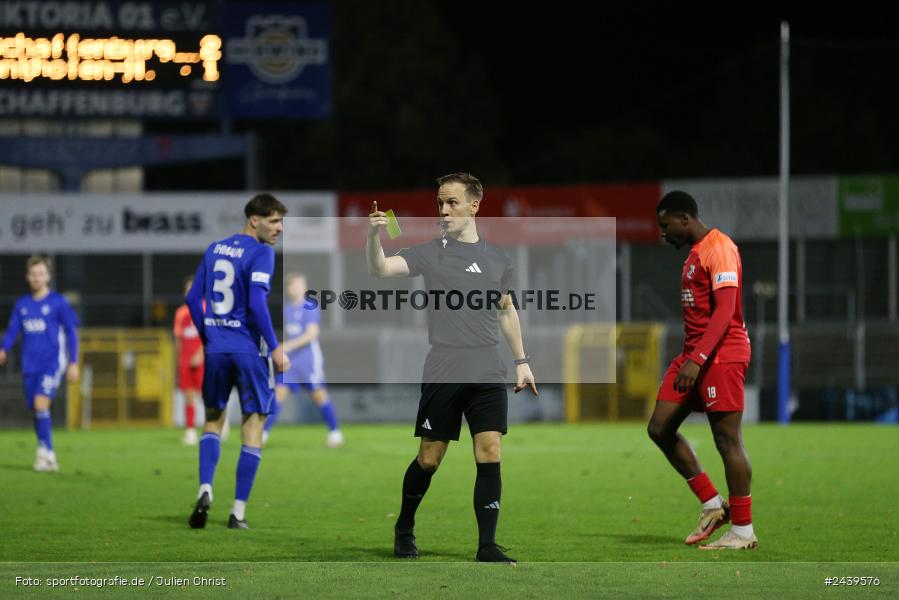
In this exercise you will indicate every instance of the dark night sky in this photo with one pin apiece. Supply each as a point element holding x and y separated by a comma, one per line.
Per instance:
<point>572,94</point>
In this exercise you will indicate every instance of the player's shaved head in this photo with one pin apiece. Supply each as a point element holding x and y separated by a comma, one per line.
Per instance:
<point>678,201</point>
<point>264,205</point>
<point>473,186</point>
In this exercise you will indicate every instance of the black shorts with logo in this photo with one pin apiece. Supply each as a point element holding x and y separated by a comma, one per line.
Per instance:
<point>457,382</point>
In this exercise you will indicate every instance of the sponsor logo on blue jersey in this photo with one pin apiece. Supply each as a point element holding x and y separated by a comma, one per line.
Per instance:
<point>34,325</point>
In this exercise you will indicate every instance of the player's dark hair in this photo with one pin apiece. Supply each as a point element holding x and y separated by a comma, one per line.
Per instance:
<point>472,184</point>
<point>264,205</point>
<point>678,201</point>
<point>38,259</point>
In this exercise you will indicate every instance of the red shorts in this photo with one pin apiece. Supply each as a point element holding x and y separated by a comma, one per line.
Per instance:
<point>719,387</point>
<point>190,378</point>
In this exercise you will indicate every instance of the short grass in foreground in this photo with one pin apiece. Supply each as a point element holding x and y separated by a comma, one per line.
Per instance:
<point>581,493</point>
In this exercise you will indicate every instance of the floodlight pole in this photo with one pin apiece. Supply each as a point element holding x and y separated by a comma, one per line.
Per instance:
<point>783,276</point>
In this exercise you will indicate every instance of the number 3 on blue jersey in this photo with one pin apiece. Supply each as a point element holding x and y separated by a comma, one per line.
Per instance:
<point>228,270</point>
<point>223,287</point>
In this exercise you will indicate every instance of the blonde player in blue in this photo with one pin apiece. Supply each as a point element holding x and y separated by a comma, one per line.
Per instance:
<point>307,366</point>
<point>47,324</point>
<point>239,341</point>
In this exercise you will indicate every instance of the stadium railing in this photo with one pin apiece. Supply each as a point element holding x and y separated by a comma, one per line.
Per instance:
<point>127,378</point>
<point>628,355</point>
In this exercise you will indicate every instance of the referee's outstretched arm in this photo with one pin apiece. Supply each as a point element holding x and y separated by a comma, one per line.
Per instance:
<point>510,325</point>
<point>378,264</point>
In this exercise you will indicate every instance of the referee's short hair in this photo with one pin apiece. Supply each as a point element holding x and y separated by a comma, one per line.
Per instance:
<point>678,201</point>
<point>473,186</point>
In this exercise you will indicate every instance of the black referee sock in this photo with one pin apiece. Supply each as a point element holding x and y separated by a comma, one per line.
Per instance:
<point>415,484</point>
<point>488,487</point>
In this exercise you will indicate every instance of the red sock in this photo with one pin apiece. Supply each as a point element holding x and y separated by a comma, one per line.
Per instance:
<point>189,414</point>
<point>741,510</point>
<point>702,487</point>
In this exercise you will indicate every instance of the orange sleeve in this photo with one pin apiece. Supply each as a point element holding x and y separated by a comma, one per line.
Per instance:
<point>721,258</point>
<point>179,321</point>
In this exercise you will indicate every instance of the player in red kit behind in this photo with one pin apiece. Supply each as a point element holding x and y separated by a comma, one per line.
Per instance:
<point>190,365</point>
<point>709,375</point>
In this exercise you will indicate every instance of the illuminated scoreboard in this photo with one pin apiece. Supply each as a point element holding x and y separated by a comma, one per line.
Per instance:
<point>104,59</point>
<point>191,60</point>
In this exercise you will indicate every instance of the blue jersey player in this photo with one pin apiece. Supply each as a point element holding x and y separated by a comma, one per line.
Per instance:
<point>47,325</point>
<point>307,366</point>
<point>234,279</point>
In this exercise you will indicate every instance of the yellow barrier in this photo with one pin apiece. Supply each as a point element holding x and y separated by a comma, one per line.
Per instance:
<point>127,378</point>
<point>627,354</point>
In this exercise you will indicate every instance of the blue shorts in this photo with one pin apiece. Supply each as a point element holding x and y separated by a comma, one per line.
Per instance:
<point>304,374</point>
<point>43,384</point>
<point>252,374</point>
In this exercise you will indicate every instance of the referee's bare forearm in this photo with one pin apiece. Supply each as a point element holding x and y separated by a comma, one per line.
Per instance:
<point>510,325</point>
<point>374,255</point>
<point>381,266</point>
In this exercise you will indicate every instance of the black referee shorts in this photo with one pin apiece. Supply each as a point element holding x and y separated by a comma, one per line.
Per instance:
<point>442,405</point>
<point>457,382</point>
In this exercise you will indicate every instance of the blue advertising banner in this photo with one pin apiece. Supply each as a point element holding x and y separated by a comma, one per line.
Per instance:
<point>277,61</point>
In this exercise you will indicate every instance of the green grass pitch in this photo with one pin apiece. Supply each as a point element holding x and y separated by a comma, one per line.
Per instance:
<point>589,510</point>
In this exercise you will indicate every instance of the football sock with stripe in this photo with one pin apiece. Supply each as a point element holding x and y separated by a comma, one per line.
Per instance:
<point>488,488</point>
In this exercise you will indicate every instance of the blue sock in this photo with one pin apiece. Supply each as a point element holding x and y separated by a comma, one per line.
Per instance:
<point>272,418</point>
<point>328,414</point>
<point>247,465</point>
<point>210,450</point>
<point>43,429</point>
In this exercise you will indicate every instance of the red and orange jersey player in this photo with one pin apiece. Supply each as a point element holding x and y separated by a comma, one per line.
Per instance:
<point>709,374</point>
<point>190,366</point>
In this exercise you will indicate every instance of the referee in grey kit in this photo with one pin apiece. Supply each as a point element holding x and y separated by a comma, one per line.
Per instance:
<point>463,373</point>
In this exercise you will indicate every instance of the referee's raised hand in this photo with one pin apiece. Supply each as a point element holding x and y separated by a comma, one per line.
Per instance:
<point>376,220</point>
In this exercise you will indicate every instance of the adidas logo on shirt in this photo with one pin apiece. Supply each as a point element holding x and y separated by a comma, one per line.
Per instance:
<point>426,425</point>
<point>474,268</point>
<point>494,505</point>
